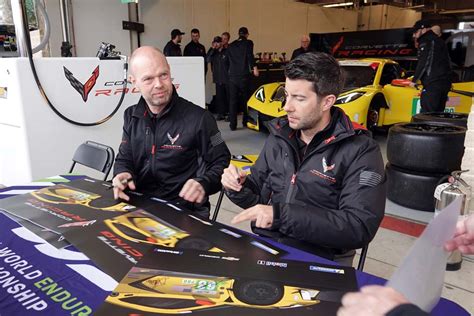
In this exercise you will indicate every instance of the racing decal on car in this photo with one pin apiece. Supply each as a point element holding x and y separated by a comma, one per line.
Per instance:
<point>83,89</point>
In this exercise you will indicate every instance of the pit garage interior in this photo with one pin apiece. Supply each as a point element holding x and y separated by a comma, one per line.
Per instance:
<point>79,27</point>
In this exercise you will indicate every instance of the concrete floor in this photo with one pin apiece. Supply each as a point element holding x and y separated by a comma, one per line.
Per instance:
<point>388,248</point>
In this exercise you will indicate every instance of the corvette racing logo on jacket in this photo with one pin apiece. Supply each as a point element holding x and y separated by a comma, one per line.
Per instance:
<point>326,168</point>
<point>172,140</point>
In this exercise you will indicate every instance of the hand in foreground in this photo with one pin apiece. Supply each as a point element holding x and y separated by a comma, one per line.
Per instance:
<point>261,214</point>
<point>463,239</point>
<point>120,182</point>
<point>372,300</point>
<point>233,178</point>
<point>193,192</point>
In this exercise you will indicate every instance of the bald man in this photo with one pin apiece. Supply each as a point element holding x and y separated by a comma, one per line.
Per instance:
<point>171,148</point>
<point>305,42</point>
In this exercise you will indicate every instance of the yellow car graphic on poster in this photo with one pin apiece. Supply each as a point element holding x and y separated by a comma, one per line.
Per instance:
<point>157,291</point>
<point>373,95</point>
<point>152,230</point>
<point>66,195</point>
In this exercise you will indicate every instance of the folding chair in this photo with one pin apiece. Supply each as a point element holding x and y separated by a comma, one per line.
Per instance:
<point>95,156</point>
<point>363,255</point>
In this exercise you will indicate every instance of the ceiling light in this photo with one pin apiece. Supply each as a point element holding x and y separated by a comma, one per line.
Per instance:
<point>335,5</point>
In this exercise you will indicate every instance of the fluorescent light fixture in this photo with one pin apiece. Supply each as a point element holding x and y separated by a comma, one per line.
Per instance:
<point>335,5</point>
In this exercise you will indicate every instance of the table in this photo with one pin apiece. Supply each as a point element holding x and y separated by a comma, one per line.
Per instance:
<point>72,280</point>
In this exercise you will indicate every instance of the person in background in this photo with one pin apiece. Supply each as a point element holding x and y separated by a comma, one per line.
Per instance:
<point>217,57</point>
<point>375,300</point>
<point>318,185</point>
<point>171,148</point>
<point>241,65</point>
<point>305,47</point>
<point>194,48</point>
<point>172,48</point>
<point>437,30</point>
<point>225,39</point>
<point>433,68</point>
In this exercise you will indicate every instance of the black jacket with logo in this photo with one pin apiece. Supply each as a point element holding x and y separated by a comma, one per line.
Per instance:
<point>433,60</point>
<point>162,153</point>
<point>219,65</point>
<point>332,200</point>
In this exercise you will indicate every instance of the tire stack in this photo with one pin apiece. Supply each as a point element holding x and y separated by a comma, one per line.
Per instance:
<point>420,155</point>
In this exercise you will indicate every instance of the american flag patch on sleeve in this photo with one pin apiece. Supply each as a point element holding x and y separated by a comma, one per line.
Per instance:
<point>216,139</point>
<point>370,178</point>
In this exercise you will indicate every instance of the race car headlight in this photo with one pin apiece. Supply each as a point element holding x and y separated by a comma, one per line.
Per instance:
<point>349,97</point>
<point>260,94</point>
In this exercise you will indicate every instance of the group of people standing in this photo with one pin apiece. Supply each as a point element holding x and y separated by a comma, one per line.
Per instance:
<point>232,66</point>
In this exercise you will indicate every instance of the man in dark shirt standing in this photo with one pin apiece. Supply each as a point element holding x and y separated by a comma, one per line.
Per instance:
<point>433,68</point>
<point>225,39</point>
<point>217,56</point>
<point>194,48</point>
<point>173,48</point>
<point>305,41</point>
<point>241,63</point>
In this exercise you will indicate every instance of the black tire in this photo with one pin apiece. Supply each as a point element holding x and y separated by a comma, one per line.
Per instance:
<point>373,114</point>
<point>195,243</point>
<point>258,292</point>
<point>426,147</point>
<point>412,189</point>
<point>445,118</point>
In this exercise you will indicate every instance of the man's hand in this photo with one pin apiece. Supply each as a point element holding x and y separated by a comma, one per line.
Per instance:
<point>193,192</point>
<point>372,300</point>
<point>256,73</point>
<point>463,239</point>
<point>233,178</point>
<point>261,214</point>
<point>120,183</point>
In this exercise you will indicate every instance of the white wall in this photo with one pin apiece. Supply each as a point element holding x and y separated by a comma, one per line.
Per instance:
<point>378,17</point>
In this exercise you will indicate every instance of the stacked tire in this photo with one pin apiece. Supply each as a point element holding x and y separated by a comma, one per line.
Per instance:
<point>420,156</point>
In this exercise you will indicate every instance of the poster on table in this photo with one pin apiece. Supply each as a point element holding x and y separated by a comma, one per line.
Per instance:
<point>181,281</point>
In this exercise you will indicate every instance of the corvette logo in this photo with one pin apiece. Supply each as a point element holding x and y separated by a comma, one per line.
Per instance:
<point>172,139</point>
<point>327,168</point>
<point>83,89</point>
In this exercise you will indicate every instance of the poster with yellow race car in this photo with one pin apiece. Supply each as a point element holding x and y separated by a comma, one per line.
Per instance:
<point>185,282</point>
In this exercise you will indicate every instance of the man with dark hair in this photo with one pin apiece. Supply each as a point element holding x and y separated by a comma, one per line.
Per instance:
<point>305,47</point>
<point>171,148</point>
<point>194,48</point>
<point>172,48</point>
<point>318,184</point>
<point>241,64</point>
<point>433,68</point>
<point>217,56</point>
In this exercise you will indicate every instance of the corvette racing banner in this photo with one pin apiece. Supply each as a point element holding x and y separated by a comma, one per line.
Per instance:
<point>39,279</point>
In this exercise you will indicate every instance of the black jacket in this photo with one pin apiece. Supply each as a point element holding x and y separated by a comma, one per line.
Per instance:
<point>162,153</point>
<point>241,60</point>
<point>407,310</point>
<point>300,51</point>
<point>331,201</point>
<point>433,60</point>
<point>219,65</point>
<point>172,49</point>
<point>196,49</point>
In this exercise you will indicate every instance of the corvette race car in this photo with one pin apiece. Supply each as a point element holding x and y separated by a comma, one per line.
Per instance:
<point>167,292</point>
<point>373,95</point>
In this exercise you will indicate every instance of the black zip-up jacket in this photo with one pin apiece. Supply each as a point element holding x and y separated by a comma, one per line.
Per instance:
<point>162,153</point>
<point>332,200</point>
<point>219,65</point>
<point>241,60</point>
<point>433,60</point>
<point>172,49</point>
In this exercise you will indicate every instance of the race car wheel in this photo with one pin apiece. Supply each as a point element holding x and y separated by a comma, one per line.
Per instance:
<point>445,118</point>
<point>426,147</point>
<point>412,189</point>
<point>196,243</point>
<point>372,118</point>
<point>257,292</point>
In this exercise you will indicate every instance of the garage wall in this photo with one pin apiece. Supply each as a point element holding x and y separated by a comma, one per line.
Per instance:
<point>378,17</point>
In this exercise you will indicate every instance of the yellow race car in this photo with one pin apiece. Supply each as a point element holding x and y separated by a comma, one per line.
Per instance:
<point>65,195</point>
<point>145,228</point>
<point>157,291</point>
<point>373,95</point>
